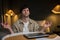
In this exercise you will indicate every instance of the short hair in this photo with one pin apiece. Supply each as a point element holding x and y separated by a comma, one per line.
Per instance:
<point>23,7</point>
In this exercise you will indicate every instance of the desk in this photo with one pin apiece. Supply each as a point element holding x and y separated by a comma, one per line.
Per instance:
<point>51,37</point>
<point>19,36</point>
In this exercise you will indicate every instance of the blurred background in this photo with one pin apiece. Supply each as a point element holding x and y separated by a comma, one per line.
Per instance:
<point>40,10</point>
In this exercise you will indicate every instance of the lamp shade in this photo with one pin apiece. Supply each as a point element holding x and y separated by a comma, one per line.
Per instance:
<point>11,13</point>
<point>56,9</point>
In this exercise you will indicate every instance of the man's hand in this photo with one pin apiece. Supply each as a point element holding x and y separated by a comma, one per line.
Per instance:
<point>6,25</point>
<point>47,24</point>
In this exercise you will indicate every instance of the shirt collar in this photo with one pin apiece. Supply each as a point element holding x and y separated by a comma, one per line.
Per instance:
<point>21,22</point>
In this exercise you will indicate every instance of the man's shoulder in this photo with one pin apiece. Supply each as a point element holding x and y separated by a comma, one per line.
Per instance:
<point>33,21</point>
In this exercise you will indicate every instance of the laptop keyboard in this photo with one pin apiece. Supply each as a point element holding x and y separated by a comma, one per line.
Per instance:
<point>36,35</point>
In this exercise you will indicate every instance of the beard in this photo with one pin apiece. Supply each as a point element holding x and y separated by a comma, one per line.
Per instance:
<point>26,16</point>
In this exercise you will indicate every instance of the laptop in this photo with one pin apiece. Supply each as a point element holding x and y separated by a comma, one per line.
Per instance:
<point>36,35</point>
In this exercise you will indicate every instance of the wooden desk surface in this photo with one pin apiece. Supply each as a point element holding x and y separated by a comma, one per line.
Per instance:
<point>17,36</point>
<point>21,37</point>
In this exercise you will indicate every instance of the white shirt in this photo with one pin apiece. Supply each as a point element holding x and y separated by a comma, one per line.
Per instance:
<point>25,29</point>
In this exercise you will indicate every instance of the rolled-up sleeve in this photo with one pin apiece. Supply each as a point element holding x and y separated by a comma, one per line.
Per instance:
<point>37,27</point>
<point>14,28</point>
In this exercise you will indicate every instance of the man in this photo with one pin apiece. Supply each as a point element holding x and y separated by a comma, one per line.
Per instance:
<point>24,24</point>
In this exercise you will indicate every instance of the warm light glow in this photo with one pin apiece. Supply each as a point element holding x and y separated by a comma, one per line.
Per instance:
<point>8,18</point>
<point>48,29</point>
<point>15,18</point>
<point>56,9</point>
<point>10,12</point>
<point>55,12</point>
<point>53,18</point>
<point>6,14</point>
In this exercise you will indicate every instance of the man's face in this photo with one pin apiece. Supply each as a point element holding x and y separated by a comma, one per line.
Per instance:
<point>25,12</point>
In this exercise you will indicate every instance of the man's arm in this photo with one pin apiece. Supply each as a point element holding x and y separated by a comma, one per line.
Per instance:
<point>39,28</point>
<point>10,29</point>
<point>7,26</point>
